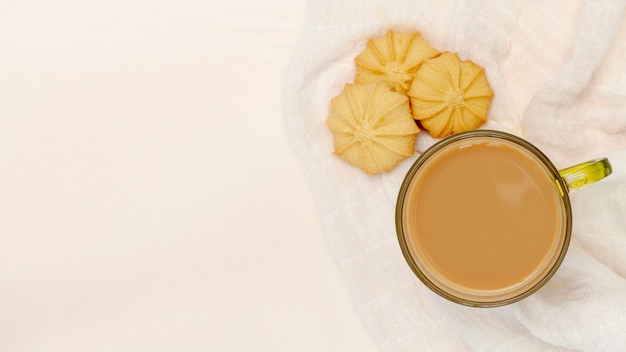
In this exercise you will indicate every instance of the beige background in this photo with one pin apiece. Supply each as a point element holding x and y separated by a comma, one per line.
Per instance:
<point>149,198</point>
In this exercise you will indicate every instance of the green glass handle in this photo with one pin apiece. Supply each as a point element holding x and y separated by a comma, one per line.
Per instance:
<point>586,173</point>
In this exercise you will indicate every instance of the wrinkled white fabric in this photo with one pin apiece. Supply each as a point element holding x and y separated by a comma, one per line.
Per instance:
<point>558,70</point>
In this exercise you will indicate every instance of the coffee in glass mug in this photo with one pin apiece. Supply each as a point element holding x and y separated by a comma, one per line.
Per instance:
<point>484,219</point>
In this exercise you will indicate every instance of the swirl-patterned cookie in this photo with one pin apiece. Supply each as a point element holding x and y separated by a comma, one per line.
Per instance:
<point>449,95</point>
<point>394,59</point>
<point>372,127</point>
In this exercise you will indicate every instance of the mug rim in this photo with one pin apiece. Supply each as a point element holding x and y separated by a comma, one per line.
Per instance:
<point>417,164</point>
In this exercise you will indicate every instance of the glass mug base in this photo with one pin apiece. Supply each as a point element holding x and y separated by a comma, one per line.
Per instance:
<point>484,219</point>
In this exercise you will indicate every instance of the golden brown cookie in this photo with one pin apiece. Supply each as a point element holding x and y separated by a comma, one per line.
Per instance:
<point>372,127</point>
<point>449,95</point>
<point>394,59</point>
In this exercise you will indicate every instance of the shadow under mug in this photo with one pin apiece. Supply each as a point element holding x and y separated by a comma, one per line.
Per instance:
<point>494,261</point>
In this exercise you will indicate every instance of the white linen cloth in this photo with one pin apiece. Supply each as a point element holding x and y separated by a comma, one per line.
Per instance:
<point>558,70</point>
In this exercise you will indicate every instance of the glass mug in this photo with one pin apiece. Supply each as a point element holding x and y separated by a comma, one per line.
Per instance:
<point>483,217</point>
